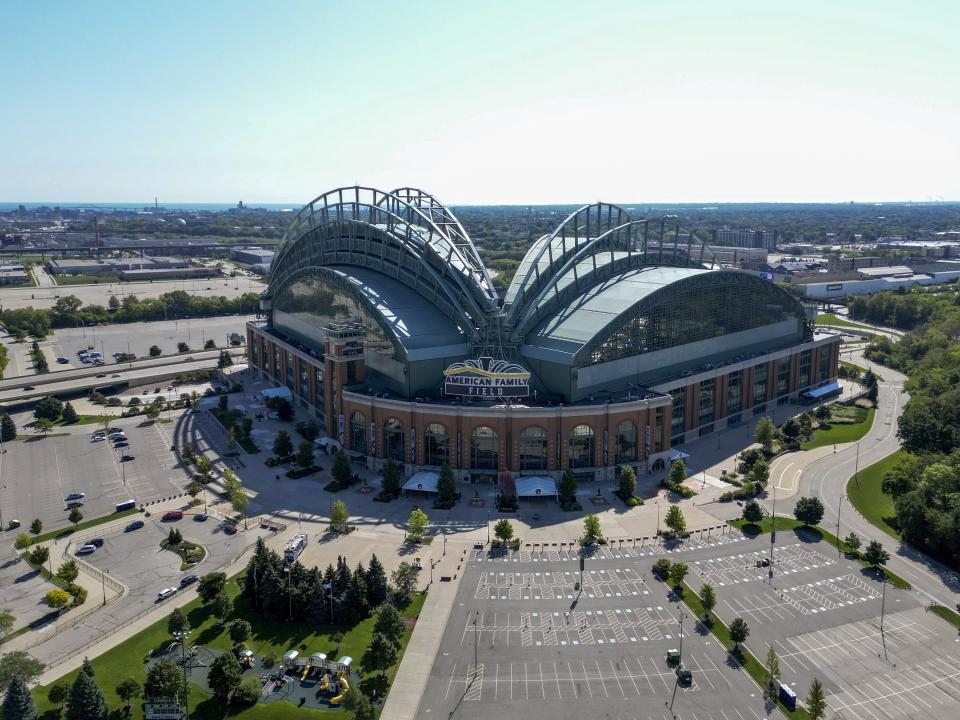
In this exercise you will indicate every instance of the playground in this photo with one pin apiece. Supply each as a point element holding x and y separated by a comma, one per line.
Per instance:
<point>313,681</point>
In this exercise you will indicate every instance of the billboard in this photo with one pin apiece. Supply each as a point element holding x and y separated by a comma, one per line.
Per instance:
<point>486,377</point>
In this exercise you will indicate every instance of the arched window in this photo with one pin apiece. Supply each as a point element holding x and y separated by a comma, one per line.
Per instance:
<point>393,440</point>
<point>436,445</point>
<point>358,433</point>
<point>533,449</point>
<point>582,447</point>
<point>483,449</point>
<point>626,442</point>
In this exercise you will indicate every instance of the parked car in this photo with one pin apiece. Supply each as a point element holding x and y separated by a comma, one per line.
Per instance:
<point>74,504</point>
<point>684,676</point>
<point>101,375</point>
<point>121,444</point>
<point>75,495</point>
<point>165,593</point>
<point>127,458</point>
<point>114,430</point>
<point>172,516</point>
<point>200,517</point>
<point>230,528</point>
<point>62,360</point>
<point>86,550</point>
<point>28,387</point>
<point>188,580</point>
<point>135,525</point>
<point>96,542</point>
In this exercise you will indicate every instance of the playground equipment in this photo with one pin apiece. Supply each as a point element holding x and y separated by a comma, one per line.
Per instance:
<point>290,658</point>
<point>246,659</point>
<point>344,688</point>
<point>307,667</point>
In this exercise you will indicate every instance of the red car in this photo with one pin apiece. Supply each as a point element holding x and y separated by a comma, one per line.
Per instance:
<point>172,516</point>
<point>230,528</point>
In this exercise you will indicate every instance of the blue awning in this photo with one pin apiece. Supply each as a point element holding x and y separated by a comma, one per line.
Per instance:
<point>823,390</point>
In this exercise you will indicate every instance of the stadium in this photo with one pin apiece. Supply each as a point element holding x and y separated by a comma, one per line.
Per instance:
<point>618,341</point>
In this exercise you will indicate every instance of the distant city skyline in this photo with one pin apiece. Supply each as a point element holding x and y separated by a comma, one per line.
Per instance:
<point>504,103</point>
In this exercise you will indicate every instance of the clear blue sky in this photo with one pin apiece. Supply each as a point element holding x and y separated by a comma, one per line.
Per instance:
<point>481,102</point>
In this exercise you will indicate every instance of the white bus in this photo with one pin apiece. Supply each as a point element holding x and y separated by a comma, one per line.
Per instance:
<point>295,547</point>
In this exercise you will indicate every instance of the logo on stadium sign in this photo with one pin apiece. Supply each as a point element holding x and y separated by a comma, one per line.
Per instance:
<point>486,377</point>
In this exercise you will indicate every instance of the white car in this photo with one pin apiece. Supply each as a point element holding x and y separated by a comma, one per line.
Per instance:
<point>165,593</point>
<point>98,438</point>
<point>87,550</point>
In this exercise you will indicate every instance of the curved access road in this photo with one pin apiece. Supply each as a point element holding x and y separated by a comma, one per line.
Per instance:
<point>824,474</point>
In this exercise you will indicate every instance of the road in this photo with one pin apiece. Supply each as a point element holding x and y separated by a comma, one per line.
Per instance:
<point>825,475</point>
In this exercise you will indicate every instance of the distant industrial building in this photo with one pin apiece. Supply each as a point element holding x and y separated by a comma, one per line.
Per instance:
<point>252,255</point>
<point>878,279</point>
<point>138,268</point>
<point>745,238</point>
<point>13,274</point>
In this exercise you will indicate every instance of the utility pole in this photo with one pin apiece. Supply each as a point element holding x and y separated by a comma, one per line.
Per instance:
<point>182,637</point>
<point>476,641</point>
<point>773,528</point>
<point>839,506</point>
<point>856,467</point>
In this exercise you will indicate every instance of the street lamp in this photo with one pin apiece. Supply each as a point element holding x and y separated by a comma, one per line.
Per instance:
<point>182,637</point>
<point>287,570</point>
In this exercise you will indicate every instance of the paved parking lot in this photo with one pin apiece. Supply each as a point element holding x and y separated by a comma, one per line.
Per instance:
<point>39,473</point>
<point>521,641</point>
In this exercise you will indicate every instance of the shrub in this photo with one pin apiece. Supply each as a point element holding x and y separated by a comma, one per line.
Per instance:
<point>661,568</point>
<point>248,693</point>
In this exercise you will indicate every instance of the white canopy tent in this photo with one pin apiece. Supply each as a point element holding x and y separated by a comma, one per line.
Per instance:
<point>423,481</point>
<point>277,392</point>
<point>677,455</point>
<point>535,486</point>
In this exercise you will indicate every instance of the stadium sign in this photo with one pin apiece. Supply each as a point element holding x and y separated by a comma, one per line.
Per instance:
<point>162,709</point>
<point>486,377</point>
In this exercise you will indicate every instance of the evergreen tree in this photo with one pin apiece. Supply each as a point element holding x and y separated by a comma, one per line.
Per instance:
<point>356,596</point>
<point>69,414</point>
<point>391,478</point>
<point>567,492</point>
<point>446,487</point>
<point>380,654</point>
<point>773,673</point>
<point>389,623</point>
<point>627,485</point>
<point>18,703</point>
<point>305,457</point>
<point>342,472</point>
<point>816,701</point>
<point>357,703</point>
<point>85,701</point>
<point>376,583</point>
<point>282,445</point>
<point>88,668</point>
<point>678,472</point>
<point>8,428</point>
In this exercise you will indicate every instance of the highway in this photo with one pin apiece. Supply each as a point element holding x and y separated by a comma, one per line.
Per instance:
<point>140,371</point>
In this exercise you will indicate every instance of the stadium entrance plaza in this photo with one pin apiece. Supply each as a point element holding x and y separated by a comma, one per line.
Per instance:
<point>522,637</point>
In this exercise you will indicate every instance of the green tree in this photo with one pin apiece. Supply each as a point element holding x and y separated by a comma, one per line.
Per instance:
<point>282,445</point>
<point>6,621</point>
<point>210,344</point>
<point>852,541</point>
<point>49,408</point>
<point>389,623</point>
<point>203,464</point>
<point>377,589</point>
<point>765,433</point>
<point>240,631</point>
<point>391,478</point>
<point>68,571</point>
<point>591,529</point>
<point>417,524</point>
<point>19,664</point>
<point>69,414</point>
<point>305,457</point>
<point>708,598</point>
<point>342,472</point>
<point>822,413</point>
<point>8,428</point>
<point>816,701</point>
<point>339,516</point>
<point>627,485</point>
<point>404,578</point>
<point>675,520</point>
<point>43,425</point>
<point>58,599</point>
<point>225,360</point>
<point>127,690</point>
<point>359,705</point>
<point>791,429</point>
<point>875,555</point>
<point>752,512</point>
<point>446,487</point>
<point>36,527</point>
<point>567,492</point>
<point>661,568</point>
<point>23,541</point>
<point>75,516</point>
<point>759,474</point>
<point>739,632</point>
<point>308,430</point>
<point>183,347</point>
<point>85,701</point>
<point>165,679</point>
<point>18,703</point>
<point>221,607</point>
<point>773,673</point>
<point>39,555</point>
<point>87,667</point>
<point>211,585</point>
<point>381,654</point>
<point>503,530</point>
<point>178,623</point>
<point>678,571</point>
<point>155,351</point>
<point>678,472</point>
<point>58,694</point>
<point>224,676</point>
<point>808,510</point>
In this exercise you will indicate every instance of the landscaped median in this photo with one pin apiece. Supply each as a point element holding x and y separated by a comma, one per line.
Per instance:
<point>782,523</point>
<point>66,532</point>
<point>858,421</point>
<point>754,667</point>
<point>865,490</point>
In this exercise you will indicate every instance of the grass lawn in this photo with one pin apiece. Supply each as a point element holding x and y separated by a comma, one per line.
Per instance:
<point>833,321</point>
<point>64,532</point>
<point>128,659</point>
<point>85,279</point>
<point>866,494</point>
<point>845,433</point>
<point>947,614</point>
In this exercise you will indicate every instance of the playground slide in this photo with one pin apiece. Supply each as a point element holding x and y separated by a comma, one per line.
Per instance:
<point>342,677</point>
<point>325,683</point>
<point>306,671</point>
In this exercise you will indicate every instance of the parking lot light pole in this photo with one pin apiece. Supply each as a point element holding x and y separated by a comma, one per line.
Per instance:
<point>103,586</point>
<point>287,570</point>
<point>182,637</point>
<point>839,506</point>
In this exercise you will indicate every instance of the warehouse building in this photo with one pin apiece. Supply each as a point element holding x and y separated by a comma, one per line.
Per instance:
<point>617,341</point>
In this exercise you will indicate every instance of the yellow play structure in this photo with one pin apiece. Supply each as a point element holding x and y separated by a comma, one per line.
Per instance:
<point>344,687</point>
<point>325,682</point>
